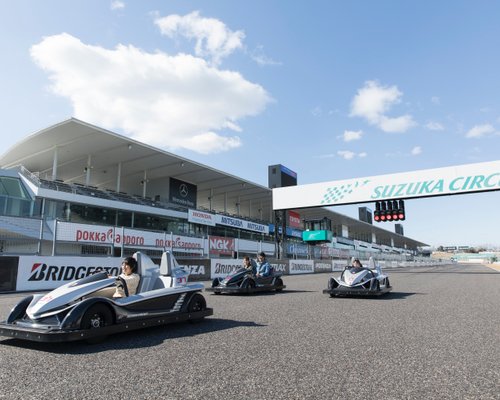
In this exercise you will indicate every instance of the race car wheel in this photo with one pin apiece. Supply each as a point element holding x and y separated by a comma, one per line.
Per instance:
<point>97,316</point>
<point>279,282</point>
<point>197,303</point>
<point>387,284</point>
<point>216,282</point>
<point>248,284</point>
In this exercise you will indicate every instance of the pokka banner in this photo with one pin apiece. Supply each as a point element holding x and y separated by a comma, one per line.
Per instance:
<point>459,179</point>
<point>84,233</point>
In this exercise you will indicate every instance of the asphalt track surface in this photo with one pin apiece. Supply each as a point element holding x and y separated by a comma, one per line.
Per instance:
<point>436,336</point>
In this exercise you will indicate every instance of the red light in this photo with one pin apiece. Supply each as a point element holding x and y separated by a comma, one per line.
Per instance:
<point>401,216</point>
<point>382,217</point>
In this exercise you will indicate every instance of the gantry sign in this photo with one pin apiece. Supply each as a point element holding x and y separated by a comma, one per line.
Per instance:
<point>469,178</point>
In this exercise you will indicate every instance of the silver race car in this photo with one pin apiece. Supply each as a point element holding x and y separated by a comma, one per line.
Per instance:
<point>71,312</point>
<point>359,281</point>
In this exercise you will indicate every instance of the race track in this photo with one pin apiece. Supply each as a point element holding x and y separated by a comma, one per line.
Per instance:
<point>436,336</point>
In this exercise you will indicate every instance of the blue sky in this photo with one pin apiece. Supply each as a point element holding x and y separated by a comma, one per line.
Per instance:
<point>330,89</point>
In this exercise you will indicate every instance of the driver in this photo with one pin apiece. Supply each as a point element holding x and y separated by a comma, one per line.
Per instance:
<point>247,264</point>
<point>263,267</point>
<point>356,265</point>
<point>129,274</point>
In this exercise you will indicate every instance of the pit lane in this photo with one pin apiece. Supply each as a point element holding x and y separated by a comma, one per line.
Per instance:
<point>436,335</point>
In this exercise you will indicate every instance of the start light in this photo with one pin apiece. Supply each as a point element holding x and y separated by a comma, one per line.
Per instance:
<point>389,210</point>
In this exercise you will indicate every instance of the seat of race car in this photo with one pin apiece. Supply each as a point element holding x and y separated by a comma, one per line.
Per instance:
<point>167,265</point>
<point>147,270</point>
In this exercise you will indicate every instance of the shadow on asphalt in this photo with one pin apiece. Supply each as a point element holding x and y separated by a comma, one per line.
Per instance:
<point>448,272</point>
<point>270,293</point>
<point>135,339</point>
<point>388,296</point>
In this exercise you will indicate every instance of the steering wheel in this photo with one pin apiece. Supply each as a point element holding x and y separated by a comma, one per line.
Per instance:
<point>121,282</point>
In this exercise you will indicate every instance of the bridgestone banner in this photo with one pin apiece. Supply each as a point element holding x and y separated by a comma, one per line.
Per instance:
<point>221,267</point>
<point>424,183</point>
<point>301,267</point>
<point>43,273</point>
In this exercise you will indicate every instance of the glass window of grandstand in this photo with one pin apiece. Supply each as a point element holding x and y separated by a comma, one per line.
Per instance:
<point>14,199</point>
<point>88,214</point>
<point>156,223</point>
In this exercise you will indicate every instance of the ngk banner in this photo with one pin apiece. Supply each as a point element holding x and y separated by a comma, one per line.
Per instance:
<point>221,245</point>
<point>43,273</point>
<point>301,267</point>
<point>86,233</point>
<point>222,266</point>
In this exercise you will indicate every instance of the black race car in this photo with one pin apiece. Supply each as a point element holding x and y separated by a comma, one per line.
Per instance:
<point>244,281</point>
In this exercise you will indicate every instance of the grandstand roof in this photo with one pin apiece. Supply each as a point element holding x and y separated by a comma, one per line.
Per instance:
<point>74,146</point>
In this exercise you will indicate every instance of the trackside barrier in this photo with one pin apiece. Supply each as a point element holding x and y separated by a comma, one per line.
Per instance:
<point>33,273</point>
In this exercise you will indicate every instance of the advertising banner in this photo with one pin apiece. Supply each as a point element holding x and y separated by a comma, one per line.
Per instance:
<point>86,233</point>
<point>201,217</point>
<point>45,272</point>
<point>323,266</point>
<point>301,267</point>
<point>279,266</point>
<point>294,220</point>
<point>182,193</point>
<point>198,269</point>
<point>241,224</point>
<point>424,183</point>
<point>221,267</point>
<point>221,245</point>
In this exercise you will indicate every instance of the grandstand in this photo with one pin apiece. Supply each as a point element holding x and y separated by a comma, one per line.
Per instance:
<point>79,175</point>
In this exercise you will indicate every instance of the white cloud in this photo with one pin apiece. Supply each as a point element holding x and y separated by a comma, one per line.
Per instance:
<point>117,5</point>
<point>349,155</point>
<point>480,131</point>
<point>373,101</point>
<point>416,151</point>
<point>213,39</point>
<point>346,154</point>
<point>434,126</point>
<point>168,101</point>
<point>260,58</point>
<point>352,135</point>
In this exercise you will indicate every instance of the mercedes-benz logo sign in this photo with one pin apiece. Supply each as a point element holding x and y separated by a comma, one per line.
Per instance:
<point>183,190</point>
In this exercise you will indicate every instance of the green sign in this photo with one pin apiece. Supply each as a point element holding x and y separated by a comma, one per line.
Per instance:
<point>317,236</point>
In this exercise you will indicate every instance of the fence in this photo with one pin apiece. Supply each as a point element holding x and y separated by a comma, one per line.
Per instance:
<point>34,236</point>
